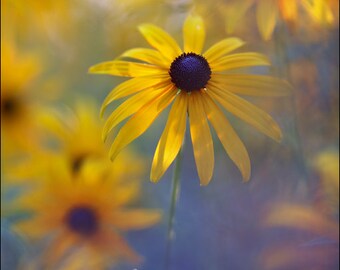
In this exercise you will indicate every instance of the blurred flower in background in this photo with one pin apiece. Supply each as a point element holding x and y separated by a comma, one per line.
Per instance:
<point>269,12</point>
<point>318,245</point>
<point>81,217</point>
<point>19,106</point>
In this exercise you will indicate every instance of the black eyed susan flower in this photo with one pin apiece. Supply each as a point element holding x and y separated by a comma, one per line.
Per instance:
<point>83,217</point>
<point>196,84</point>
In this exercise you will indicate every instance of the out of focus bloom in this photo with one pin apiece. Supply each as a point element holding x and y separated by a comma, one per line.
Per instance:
<point>195,83</point>
<point>327,166</point>
<point>82,217</point>
<point>78,133</point>
<point>319,226</point>
<point>268,12</point>
<point>19,112</point>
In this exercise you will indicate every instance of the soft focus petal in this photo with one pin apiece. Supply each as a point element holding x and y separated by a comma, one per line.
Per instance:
<point>193,34</point>
<point>126,69</point>
<point>161,40</point>
<point>172,137</point>
<point>232,18</point>
<point>247,112</point>
<point>239,60</point>
<point>289,10</point>
<point>221,48</point>
<point>228,137</point>
<point>303,218</point>
<point>139,123</point>
<point>201,138</point>
<point>133,86</point>
<point>135,219</point>
<point>266,15</point>
<point>252,85</point>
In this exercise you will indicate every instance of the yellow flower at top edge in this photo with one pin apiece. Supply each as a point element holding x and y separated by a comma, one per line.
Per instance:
<point>82,217</point>
<point>195,83</point>
<point>268,12</point>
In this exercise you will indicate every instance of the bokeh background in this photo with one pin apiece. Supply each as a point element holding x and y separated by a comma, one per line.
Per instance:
<point>286,217</point>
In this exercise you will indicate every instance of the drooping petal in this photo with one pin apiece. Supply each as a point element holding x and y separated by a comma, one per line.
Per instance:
<point>126,69</point>
<point>161,41</point>
<point>128,108</point>
<point>228,137</point>
<point>139,123</point>
<point>172,137</point>
<point>148,55</point>
<point>247,112</point>
<point>288,9</point>
<point>222,48</point>
<point>193,34</point>
<point>201,138</point>
<point>132,86</point>
<point>235,13</point>
<point>252,85</point>
<point>266,16</point>
<point>239,60</point>
<point>135,219</point>
<point>319,10</point>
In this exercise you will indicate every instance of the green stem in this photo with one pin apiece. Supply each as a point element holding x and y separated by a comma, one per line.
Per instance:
<point>281,40</point>
<point>172,210</point>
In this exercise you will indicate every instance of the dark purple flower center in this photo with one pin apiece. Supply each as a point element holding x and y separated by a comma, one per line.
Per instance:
<point>10,107</point>
<point>82,220</point>
<point>190,72</point>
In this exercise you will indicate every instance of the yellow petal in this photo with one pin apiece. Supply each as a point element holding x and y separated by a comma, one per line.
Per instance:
<point>266,16</point>
<point>193,34</point>
<point>221,48</point>
<point>239,60</point>
<point>148,55</point>
<point>201,138</point>
<point>236,11</point>
<point>135,219</point>
<point>247,112</point>
<point>288,9</point>
<point>139,123</point>
<point>228,137</point>
<point>252,85</point>
<point>171,140</point>
<point>127,69</point>
<point>161,41</point>
<point>128,108</point>
<point>132,86</point>
<point>319,10</point>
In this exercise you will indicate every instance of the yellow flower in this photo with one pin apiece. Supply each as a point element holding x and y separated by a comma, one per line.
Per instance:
<point>268,12</point>
<point>320,248</point>
<point>84,216</point>
<point>194,82</point>
<point>19,127</point>
<point>78,132</point>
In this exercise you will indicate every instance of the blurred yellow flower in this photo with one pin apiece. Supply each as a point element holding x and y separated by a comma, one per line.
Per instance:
<point>19,111</point>
<point>320,252</point>
<point>83,216</point>
<point>268,12</point>
<point>195,82</point>
<point>78,133</point>
<point>326,164</point>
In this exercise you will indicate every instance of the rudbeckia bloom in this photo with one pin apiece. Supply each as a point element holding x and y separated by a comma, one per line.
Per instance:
<point>78,132</point>
<point>195,83</point>
<point>82,218</point>
<point>268,12</point>
<point>19,111</point>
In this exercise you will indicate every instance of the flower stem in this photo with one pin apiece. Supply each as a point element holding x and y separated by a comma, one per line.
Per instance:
<point>172,210</point>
